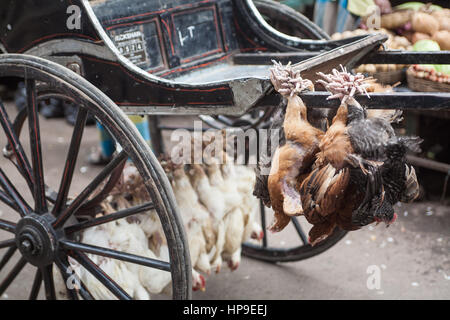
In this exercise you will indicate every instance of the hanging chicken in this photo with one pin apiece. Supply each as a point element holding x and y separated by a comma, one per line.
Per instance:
<point>354,172</point>
<point>294,158</point>
<point>324,190</point>
<point>360,171</point>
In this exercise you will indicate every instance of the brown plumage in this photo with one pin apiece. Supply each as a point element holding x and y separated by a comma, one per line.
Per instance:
<point>323,191</point>
<point>326,200</point>
<point>297,154</point>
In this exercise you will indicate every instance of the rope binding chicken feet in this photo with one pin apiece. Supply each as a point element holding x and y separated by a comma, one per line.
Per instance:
<point>294,158</point>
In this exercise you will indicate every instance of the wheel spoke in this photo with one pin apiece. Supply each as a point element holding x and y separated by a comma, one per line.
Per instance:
<point>63,266</point>
<point>299,230</point>
<point>71,292</point>
<point>7,243</point>
<point>84,292</point>
<point>35,145</point>
<point>50,194</point>
<point>17,125</point>
<point>22,162</point>
<point>105,252</point>
<point>263,222</point>
<point>7,226</point>
<point>78,201</point>
<point>71,160</point>
<point>89,206</point>
<point>12,275</point>
<point>36,285</point>
<point>5,199</point>
<point>9,188</point>
<point>109,217</point>
<point>101,276</point>
<point>7,257</point>
<point>47,274</point>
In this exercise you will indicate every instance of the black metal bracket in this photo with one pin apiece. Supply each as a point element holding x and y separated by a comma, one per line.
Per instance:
<point>378,57</point>
<point>394,100</point>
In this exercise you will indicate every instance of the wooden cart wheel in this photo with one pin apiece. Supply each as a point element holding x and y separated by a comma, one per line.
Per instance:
<point>289,21</point>
<point>41,224</point>
<point>297,250</point>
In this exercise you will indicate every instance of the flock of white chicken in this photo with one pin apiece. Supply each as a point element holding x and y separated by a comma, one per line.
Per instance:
<point>219,214</point>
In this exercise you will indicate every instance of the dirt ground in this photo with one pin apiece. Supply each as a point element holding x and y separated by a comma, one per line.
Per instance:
<point>411,256</point>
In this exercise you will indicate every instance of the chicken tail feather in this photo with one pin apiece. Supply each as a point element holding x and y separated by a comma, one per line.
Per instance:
<point>411,191</point>
<point>321,231</point>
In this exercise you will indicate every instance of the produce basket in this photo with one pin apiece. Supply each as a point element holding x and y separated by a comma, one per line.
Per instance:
<point>416,83</point>
<point>390,77</point>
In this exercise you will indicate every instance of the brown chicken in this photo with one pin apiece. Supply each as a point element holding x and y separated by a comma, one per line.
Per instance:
<point>326,199</point>
<point>360,171</point>
<point>295,157</point>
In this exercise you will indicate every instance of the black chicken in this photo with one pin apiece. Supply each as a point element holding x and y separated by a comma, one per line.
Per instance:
<point>388,178</point>
<point>379,175</point>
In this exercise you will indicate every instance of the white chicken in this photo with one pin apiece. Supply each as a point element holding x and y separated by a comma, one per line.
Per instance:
<point>194,216</point>
<point>102,236</point>
<point>130,238</point>
<point>227,188</point>
<point>209,195</point>
<point>149,223</point>
<point>250,203</point>
<point>218,210</point>
<point>234,230</point>
<point>214,201</point>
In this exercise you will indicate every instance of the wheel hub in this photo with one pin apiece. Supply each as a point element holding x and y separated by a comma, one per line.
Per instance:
<point>36,239</point>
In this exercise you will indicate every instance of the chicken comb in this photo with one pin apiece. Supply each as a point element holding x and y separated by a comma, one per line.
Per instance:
<point>287,81</point>
<point>343,85</point>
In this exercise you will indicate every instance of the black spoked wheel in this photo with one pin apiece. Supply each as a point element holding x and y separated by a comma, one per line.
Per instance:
<point>289,21</point>
<point>290,245</point>
<point>43,222</point>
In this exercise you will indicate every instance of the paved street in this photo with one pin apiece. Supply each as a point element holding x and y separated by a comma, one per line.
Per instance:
<point>412,255</point>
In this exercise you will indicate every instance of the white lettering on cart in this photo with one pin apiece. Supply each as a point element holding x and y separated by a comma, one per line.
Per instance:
<point>190,35</point>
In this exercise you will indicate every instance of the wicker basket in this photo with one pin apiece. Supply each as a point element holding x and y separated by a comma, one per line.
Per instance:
<point>390,77</point>
<point>424,85</point>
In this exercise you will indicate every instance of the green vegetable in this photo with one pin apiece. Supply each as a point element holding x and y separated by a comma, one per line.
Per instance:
<point>430,45</point>
<point>444,68</point>
<point>416,6</point>
<point>434,7</point>
<point>426,45</point>
<point>410,5</point>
